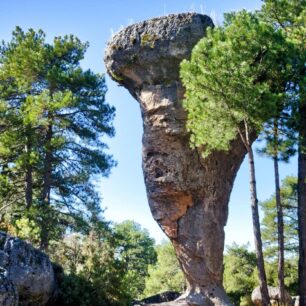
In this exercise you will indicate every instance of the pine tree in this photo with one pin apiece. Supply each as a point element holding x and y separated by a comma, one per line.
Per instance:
<point>53,116</point>
<point>165,274</point>
<point>289,17</point>
<point>240,276</point>
<point>288,194</point>
<point>280,139</point>
<point>229,93</point>
<point>136,252</point>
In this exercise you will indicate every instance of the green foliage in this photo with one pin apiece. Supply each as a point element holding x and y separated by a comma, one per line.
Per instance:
<point>166,274</point>
<point>269,221</point>
<point>52,119</point>
<point>290,274</point>
<point>270,238</point>
<point>77,290</point>
<point>110,269</point>
<point>229,80</point>
<point>240,275</point>
<point>27,229</point>
<point>136,252</point>
<point>234,87</point>
<point>289,17</point>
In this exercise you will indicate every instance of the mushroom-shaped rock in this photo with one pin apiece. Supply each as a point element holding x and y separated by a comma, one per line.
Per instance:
<point>150,52</point>
<point>188,195</point>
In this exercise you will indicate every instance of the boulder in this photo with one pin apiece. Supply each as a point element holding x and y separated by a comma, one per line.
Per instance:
<point>28,269</point>
<point>167,296</point>
<point>8,292</point>
<point>273,294</point>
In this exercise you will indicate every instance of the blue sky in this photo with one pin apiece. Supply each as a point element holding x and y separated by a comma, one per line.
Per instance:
<point>95,21</point>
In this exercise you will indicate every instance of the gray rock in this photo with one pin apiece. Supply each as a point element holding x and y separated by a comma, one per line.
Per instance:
<point>188,195</point>
<point>8,292</point>
<point>28,269</point>
<point>296,300</point>
<point>273,294</point>
<point>150,52</point>
<point>167,296</point>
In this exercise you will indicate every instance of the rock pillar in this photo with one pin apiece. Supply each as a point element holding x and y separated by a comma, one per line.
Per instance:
<point>188,195</point>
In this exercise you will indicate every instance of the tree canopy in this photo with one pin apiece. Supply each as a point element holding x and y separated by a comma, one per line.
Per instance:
<point>229,80</point>
<point>53,116</point>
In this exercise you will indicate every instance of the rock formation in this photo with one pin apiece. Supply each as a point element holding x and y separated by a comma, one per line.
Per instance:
<point>27,270</point>
<point>274,297</point>
<point>8,292</point>
<point>188,195</point>
<point>159,298</point>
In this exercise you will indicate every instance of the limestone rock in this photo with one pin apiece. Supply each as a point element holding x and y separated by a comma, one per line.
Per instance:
<point>188,195</point>
<point>173,303</point>
<point>167,296</point>
<point>274,296</point>
<point>28,269</point>
<point>150,52</point>
<point>8,292</point>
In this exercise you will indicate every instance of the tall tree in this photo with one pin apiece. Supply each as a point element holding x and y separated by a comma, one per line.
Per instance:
<point>228,93</point>
<point>240,276</point>
<point>288,194</point>
<point>289,16</point>
<point>136,251</point>
<point>91,268</point>
<point>280,146</point>
<point>53,116</point>
<point>165,274</point>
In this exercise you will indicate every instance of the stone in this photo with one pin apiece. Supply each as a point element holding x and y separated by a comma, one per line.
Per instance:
<point>8,291</point>
<point>173,303</point>
<point>167,296</point>
<point>29,269</point>
<point>188,195</point>
<point>273,294</point>
<point>296,300</point>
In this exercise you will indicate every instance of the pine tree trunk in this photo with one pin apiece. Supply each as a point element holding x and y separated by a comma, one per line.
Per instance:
<point>302,206</point>
<point>280,232</point>
<point>280,219</point>
<point>256,229</point>
<point>28,176</point>
<point>47,168</point>
<point>29,186</point>
<point>45,196</point>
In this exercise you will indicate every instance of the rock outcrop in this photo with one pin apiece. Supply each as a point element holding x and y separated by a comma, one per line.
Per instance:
<point>28,270</point>
<point>188,195</point>
<point>167,296</point>
<point>274,297</point>
<point>8,292</point>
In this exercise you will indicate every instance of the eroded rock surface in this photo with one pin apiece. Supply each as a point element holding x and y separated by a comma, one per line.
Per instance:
<point>274,297</point>
<point>188,195</point>
<point>163,297</point>
<point>8,292</point>
<point>28,269</point>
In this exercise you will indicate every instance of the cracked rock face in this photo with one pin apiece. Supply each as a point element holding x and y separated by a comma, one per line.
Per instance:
<point>28,270</point>
<point>273,294</point>
<point>188,195</point>
<point>8,292</point>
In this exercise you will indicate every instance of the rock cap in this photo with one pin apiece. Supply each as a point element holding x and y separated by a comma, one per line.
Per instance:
<point>150,52</point>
